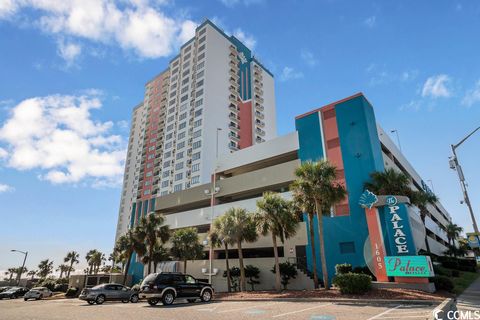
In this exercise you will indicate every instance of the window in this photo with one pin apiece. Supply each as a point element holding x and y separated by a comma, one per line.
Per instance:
<point>347,247</point>
<point>184,98</point>
<point>170,127</point>
<point>146,192</point>
<point>202,39</point>
<point>198,103</point>
<point>182,125</point>
<point>181,135</point>
<point>200,74</point>
<point>151,156</point>
<point>198,113</point>
<point>179,155</point>
<point>165,174</point>
<point>197,123</point>
<point>184,81</point>
<point>149,165</point>
<point>200,65</point>
<point>182,116</point>
<point>197,134</point>
<point>171,118</point>
<point>149,174</point>
<point>201,47</point>
<point>173,94</point>
<point>172,102</point>
<point>168,136</point>
<point>197,144</point>
<point>167,154</point>
<point>168,145</point>
<point>196,156</point>
<point>179,176</point>
<point>183,107</point>
<point>184,89</point>
<point>178,187</point>
<point>179,166</point>
<point>164,183</point>
<point>195,179</point>
<point>166,164</point>
<point>181,145</point>
<point>196,167</point>
<point>202,31</point>
<point>171,110</point>
<point>163,193</point>
<point>185,73</point>
<point>200,83</point>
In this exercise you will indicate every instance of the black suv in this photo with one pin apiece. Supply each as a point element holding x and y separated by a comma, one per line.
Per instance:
<point>168,286</point>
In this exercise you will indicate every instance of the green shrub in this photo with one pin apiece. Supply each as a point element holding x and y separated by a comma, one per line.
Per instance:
<point>455,273</point>
<point>287,271</point>
<point>234,277</point>
<point>72,292</point>
<point>353,283</point>
<point>252,274</point>
<point>47,283</point>
<point>61,287</point>
<point>451,264</point>
<point>441,271</point>
<point>343,268</point>
<point>443,283</point>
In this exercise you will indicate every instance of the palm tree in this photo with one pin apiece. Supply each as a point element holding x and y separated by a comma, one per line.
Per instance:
<point>72,258</point>
<point>45,267</point>
<point>186,246</point>
<point>421,199</point>
<point>10,272</point>
<point>94,259</point>
<point>159,254</point>
<point>151,230</point>
<point>88,257</point>
<point>241,227</point>
<point>219,236</point>
<point>127,245</point>
<point>31,273</point>
<point>63,268</point>
<point>19,271</point>
<point>275,216</point>
<point>389,182</point>
<point>317,180</point>
<point>453,232</point>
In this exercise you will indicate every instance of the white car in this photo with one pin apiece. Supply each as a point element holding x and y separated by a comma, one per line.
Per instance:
<point>37,293</point>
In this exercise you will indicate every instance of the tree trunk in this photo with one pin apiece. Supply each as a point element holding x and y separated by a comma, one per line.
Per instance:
<point>322,245</point>
<point>314,254</point>
<point>184,266</point>
<point>70,269</point>
<point>227,264</point>
<point>278,284</point>
<point>422,216</point>
<point>150,255</point>
<point>61,274</point>
<point>242,269</point>
<point>127,266</point>
<point>155,264</point>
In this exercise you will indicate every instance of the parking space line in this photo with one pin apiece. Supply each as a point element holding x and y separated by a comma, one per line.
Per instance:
<point>246,308</point>
<point>302,310</point>
<point>384,312</point>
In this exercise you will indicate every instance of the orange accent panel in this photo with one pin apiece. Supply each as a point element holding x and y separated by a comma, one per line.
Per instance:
<point>246,125</point>
<point>376,243</point>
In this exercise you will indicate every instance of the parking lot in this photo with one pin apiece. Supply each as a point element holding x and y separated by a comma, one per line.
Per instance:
<point>222,310</point>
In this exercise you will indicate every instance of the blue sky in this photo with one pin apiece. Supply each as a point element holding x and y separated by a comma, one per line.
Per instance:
<point>82,68</point>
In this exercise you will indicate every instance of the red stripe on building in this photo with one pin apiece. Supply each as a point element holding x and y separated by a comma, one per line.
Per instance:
<point>376,244</point>
<point>246,124</point>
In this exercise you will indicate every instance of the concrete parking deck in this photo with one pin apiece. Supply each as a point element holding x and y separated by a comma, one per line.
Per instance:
<point>221,310</point>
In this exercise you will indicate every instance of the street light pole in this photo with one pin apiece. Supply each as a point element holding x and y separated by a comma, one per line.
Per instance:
<point>19,276</point>
<point>454,164</point>
<point>212,194</point>
<point>398,138</point>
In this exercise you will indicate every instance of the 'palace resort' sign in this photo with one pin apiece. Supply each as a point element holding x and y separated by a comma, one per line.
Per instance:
<point>409,266</point>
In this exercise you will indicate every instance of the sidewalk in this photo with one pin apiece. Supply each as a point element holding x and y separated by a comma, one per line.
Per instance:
<point>469,300</point>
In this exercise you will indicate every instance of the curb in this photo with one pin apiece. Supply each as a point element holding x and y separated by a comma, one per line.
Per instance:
<point>343,300</point>
<point>448,304</point>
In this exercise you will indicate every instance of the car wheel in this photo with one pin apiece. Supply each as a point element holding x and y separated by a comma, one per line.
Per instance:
<point>100,299</point>
<point>134,298</point>
<point>153,301</point>
<point>124,301</point>
<point>191,300</point>
<point>206,295</point>
<point>25,299</point>
<point>168,298</point>
<point>90,302</point>
<point>13,297</point>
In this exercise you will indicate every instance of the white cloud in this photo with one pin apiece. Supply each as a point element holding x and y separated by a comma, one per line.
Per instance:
<point>69,52</point>
<point>233,3</point>
<point>437,87</point>
<point>57,135</point>
<point>247,40</point>
<point>134,25</point>
<point>3,153</point>
<point>370,21</point>
<point>6,188</point>
<point>472,96</point>
<point>289,73</point>
<point>308,57</point>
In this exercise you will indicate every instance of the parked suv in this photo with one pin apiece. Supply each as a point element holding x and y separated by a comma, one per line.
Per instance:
<point>168,286</point>
<point>109,292</point>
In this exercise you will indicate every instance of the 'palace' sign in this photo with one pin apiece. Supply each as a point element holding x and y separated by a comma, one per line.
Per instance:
<point>409,266</point>
<point>398,228</point>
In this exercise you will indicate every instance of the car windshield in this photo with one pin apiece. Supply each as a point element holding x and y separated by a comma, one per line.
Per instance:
<point>38,288</point>
<point>12,290</point>
<point>100,286</point>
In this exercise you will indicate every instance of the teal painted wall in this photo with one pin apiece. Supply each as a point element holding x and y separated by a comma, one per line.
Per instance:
<point>361,154</point>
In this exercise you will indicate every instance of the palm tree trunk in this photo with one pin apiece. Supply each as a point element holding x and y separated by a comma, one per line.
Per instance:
<point>184,266</point>
<point>422,216</point>
<point>227,264</point>
<point>242,269</point>
<point>314,254</point>
<point>278,284</point>
<point>150,255</point>
<point>61,274</point>
<point>322,245</point>
<point>70,269</point>
<point>155,264</point>
<point>127,266</point>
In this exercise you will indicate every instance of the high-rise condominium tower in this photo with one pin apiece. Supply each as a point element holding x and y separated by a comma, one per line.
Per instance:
<point>214,98</point>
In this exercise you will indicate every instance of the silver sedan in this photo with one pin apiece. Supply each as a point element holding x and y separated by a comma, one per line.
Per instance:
<point>109,292</point>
